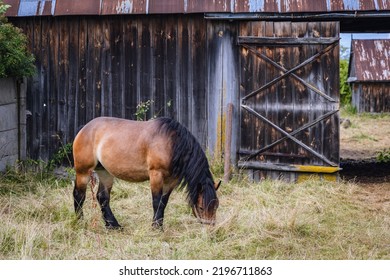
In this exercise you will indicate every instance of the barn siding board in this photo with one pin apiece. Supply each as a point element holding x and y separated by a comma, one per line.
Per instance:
<point>63,83</point>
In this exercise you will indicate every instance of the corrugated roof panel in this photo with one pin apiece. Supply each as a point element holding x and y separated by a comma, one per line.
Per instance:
<point>257,6</point>
<point>383,4</point>
<point>206,6</point>
<point>371,60</point>
<point>112,7</point>
<point>166,7</point>
<point>290,6</point>
<point>35,8</point>
<point>77,7</point>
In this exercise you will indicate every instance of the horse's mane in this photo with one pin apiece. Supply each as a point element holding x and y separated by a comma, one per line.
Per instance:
<point>189,163</point>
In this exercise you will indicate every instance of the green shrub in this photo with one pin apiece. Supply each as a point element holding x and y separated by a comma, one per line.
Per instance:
<point>345,89</point>
<point>383,156</point>
<point>15,59</point>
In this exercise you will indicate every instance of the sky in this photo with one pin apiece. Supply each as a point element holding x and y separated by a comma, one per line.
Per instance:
<point>345,40</point>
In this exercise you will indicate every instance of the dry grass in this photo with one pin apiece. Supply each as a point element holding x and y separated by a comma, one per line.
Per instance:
<point>367,135</point>
<point>268,220</point>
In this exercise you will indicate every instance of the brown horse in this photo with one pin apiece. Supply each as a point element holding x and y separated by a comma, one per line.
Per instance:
<point>161,150</point>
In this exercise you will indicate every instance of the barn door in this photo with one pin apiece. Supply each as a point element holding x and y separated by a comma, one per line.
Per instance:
<point>289,99</point>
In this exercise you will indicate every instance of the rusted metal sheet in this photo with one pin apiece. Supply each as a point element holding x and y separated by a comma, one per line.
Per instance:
<point>13,10</point>
<point>33,7</point>
<point>77,7</point>
<point>205,6</point>
<point>370,60</point>
<point>166,7</point>
<point>112,7</point>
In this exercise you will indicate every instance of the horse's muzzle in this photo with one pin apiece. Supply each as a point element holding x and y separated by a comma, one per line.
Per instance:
<point>206,222</point>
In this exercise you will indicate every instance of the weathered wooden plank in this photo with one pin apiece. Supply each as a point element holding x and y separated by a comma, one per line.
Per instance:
<point>284,41</point>
<point>182,102</point>
<point>90,70</point>
<point>98,39</point>
<point>130,45</point>
<point>81,93</point>
<point>146,65</point>
<point>106,99</point>
<point>245,69</point>
<point>54,136</point>
<point>116,37</point>
<point>45,93</point>
<point>159,38</point>
<point>32,91</point>
<point>63,81</point>
<point>171,62</point>
<point>73,76</point>
<point>289,167</point>
<point>197,81</point>
<point>98,45</point>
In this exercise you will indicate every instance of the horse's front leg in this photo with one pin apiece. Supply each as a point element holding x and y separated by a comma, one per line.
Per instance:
<point>80,188</point>
<point>159,198</point>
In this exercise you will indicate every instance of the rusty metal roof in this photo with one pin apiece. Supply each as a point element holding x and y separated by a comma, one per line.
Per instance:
<point>370,60</point>
<point>111,7</point>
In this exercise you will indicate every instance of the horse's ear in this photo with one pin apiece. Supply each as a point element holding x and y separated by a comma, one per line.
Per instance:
<point>216,185</point>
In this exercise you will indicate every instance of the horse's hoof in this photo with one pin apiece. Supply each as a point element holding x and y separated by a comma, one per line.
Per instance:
<point>114,227</point>
<point>157,226</point>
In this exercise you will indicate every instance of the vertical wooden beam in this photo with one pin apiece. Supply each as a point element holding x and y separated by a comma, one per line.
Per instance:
<point>228,143</point>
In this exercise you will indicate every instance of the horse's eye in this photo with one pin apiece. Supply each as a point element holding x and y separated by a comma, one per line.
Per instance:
<point>200,208</point>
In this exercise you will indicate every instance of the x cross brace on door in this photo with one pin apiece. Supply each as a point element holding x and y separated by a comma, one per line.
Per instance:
<point>332,44</point>
<point>291,71</point>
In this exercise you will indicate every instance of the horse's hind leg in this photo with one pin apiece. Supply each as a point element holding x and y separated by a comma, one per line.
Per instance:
<point>103,196</point>
<point>80,188</point>
<point>159,198</point>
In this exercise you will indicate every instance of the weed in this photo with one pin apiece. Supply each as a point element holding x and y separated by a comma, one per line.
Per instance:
<point>349,110</point>
<point>383,156</point>
<point>142,109</point>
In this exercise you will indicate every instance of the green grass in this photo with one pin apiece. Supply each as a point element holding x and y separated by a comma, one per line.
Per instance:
<point>268,220</point>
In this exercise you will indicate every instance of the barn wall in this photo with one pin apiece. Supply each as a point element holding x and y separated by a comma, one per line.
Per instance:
<point>371,97</point>
<point>94,66</point>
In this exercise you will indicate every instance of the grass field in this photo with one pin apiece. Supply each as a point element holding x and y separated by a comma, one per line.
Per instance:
<point>268,220</point>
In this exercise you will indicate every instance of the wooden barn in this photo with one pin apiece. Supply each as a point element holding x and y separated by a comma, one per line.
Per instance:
<point>369,75</point>
<point>274,63</point>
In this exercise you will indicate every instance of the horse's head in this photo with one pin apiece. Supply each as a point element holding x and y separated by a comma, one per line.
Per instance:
<point>207,204</point>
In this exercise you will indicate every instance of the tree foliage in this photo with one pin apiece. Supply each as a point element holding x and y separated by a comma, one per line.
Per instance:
<point>345,89</point>
<point>15,59</point>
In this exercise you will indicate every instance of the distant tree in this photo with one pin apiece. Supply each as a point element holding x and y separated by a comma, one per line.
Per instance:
<point>344,52</point>
<point>15,60</point>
